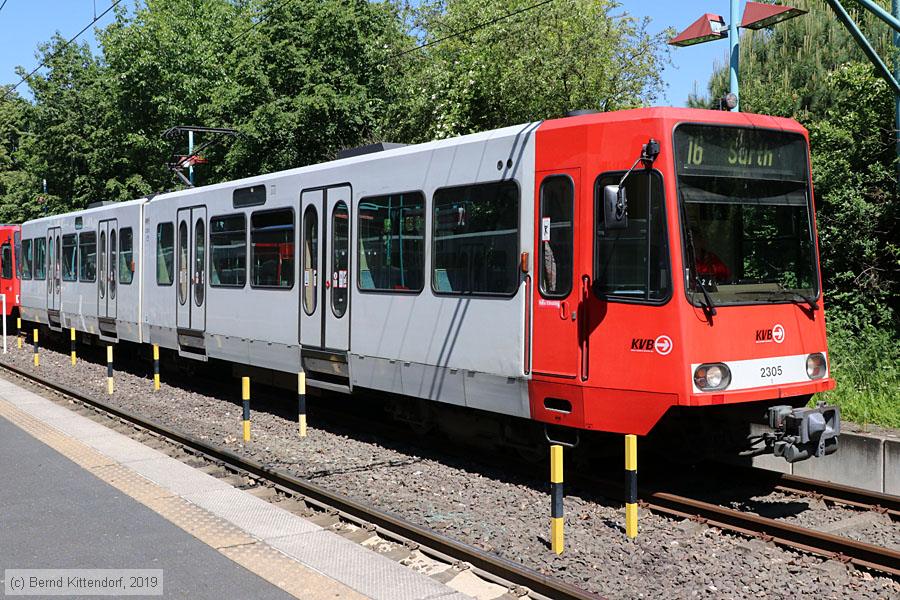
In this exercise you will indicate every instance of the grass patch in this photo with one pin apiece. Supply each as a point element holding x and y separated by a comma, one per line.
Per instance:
<point>866,366</point>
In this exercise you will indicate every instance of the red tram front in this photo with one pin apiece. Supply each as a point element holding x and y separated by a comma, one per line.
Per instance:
<point>677,275</point>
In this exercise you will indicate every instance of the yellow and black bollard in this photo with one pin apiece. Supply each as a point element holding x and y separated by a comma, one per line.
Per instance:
<point>72,344</point>
<point>631,512</point>
<point>19,332</point>
<point>37,358</point>
<point>301,402</point>
<point>110,387</point>
<point>156,367</point>
<point>245,396</point>
<point>556,498</point>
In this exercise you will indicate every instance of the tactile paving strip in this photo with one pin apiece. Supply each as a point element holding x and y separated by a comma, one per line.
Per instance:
<point>259,558</point>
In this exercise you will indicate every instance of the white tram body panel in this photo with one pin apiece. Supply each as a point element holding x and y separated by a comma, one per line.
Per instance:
<point>82,271</point>
<point>302,305</point>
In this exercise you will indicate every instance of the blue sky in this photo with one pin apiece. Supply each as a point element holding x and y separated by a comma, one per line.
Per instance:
<point>26,23</point>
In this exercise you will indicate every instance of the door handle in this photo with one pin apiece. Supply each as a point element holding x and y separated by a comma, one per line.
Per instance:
<point>585,333</point>
<point>563,310</point>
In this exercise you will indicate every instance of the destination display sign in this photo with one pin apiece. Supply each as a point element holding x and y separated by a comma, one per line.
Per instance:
<point>718,151</point>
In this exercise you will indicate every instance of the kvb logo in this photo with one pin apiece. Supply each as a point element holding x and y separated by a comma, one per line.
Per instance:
<point>778,334</point>
<point>775,334</point>
<point>662,345</point>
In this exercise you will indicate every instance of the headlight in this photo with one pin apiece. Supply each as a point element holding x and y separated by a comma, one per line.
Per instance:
<point>816,366</point>
<point>714,376</point>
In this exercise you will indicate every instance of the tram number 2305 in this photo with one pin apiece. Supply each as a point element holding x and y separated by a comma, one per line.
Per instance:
<point>773,371</point>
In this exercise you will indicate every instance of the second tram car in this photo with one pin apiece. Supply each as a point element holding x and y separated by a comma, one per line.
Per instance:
<point>601,272</point>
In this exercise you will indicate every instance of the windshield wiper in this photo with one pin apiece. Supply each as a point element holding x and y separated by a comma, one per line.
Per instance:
<point>710,307</point>
<point>709,303</point>
<point>792,295</point>
<point>796,295</point>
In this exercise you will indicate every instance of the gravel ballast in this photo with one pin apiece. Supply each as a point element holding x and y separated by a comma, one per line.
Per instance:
<point>503,513</point>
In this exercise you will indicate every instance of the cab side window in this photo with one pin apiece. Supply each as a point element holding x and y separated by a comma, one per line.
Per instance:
<point>632,264</point>
<point>557,203</point>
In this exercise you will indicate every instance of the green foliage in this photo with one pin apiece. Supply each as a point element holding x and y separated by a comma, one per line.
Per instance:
<point>300,80</point>
<point>564,55</point>
<point>866,366</point>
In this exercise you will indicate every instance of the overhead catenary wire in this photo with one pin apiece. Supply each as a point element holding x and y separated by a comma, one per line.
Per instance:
<point>60,49</point>
<point>475,27</point>
<point>261,20</point>
<point>3,4</point>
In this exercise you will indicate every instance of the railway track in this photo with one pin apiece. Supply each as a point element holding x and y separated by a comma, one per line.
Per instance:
<point>837,547</point>
<point>517,578</point>
<point>663,502</point>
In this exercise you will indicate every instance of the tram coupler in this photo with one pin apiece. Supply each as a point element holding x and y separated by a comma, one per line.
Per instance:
<point>801,433</point>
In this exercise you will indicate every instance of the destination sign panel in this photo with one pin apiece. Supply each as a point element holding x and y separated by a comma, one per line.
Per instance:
<point>718,151</point>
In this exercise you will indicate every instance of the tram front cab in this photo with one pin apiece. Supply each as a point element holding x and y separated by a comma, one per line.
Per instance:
<point>677,273</point>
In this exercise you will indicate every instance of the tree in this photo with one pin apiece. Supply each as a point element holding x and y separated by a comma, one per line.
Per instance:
<point>64,131</point>
<point>308,80</point>
<point>484,70</point>
<point>18,188</point>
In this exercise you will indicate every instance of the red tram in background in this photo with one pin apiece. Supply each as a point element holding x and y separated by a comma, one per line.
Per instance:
<point>10,244</point>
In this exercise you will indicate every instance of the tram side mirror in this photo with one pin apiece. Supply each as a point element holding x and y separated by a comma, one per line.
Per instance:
<point>615,207</point>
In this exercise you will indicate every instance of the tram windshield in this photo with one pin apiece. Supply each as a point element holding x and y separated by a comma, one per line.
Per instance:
<point>745,213</point>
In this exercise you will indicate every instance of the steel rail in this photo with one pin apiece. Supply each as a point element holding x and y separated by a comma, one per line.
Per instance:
<point>844,494</point>
<point>507,570</point>
<point>786,534</point>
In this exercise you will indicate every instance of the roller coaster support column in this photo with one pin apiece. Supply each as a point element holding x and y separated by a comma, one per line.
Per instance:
<point>631,512</point>
<point>245,397</point>
<point>557,520</point>
<point>301,402</point>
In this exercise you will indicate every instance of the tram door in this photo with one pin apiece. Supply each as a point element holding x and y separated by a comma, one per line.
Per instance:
<point>325,268</point>
<point>191,282</point>
<point>107,276</point>
<point>54,266</point>
<point>560,290</point>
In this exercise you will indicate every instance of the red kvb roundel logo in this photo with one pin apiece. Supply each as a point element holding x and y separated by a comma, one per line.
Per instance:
<point>778,333</point>
<point>663,344</point>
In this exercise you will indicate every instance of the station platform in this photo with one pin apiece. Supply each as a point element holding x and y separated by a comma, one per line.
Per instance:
<point>77,495</point>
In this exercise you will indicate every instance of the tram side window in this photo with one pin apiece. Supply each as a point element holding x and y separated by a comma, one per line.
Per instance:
<point>272,249</point>
<point>476,239</point>
<point>228,251</point>
<point>87,256</point>
<point>70,257</point>
<point>26,259</point>
<point>392,243</point>
<point>40,257</point>
<point>126,255</point>
<point>633,263</point>
<point>6,266</point>
<point>165,253</point>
